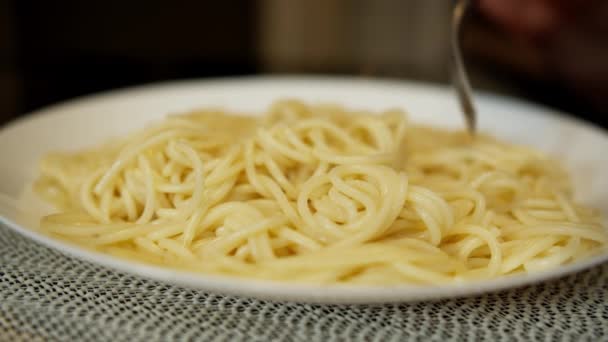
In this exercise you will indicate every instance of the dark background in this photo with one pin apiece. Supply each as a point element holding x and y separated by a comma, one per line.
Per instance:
<point>55,50</point>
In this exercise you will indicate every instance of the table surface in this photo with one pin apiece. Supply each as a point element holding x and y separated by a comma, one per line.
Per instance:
<point>46,296</point>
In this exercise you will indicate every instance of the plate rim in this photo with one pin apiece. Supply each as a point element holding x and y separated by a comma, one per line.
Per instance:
<point>541,109</point>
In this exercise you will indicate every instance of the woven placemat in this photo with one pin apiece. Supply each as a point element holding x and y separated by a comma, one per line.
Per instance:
<point>46,296</point>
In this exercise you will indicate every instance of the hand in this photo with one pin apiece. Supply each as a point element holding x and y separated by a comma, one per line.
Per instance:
<point>570,35</point>
<point>523,16</point>
<point>534,17</point>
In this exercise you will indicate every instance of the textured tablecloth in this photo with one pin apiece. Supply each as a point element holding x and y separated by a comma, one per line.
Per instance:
<point>46,296</point>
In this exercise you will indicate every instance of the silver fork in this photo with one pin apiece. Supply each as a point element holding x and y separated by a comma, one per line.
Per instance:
<point>459,74</point>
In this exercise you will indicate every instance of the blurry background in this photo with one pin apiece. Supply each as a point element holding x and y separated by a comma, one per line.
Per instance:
<point>55,50</point>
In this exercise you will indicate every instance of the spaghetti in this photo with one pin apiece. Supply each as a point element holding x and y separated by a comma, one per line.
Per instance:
<point>319,194</point>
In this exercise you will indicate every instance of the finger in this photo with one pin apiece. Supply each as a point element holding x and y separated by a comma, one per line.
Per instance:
<point>523,16</point>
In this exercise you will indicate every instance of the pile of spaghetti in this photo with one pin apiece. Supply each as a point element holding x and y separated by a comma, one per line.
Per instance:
<point>319,194</point>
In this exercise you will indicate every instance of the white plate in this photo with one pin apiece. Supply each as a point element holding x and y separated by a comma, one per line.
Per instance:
<point>93,119</point>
